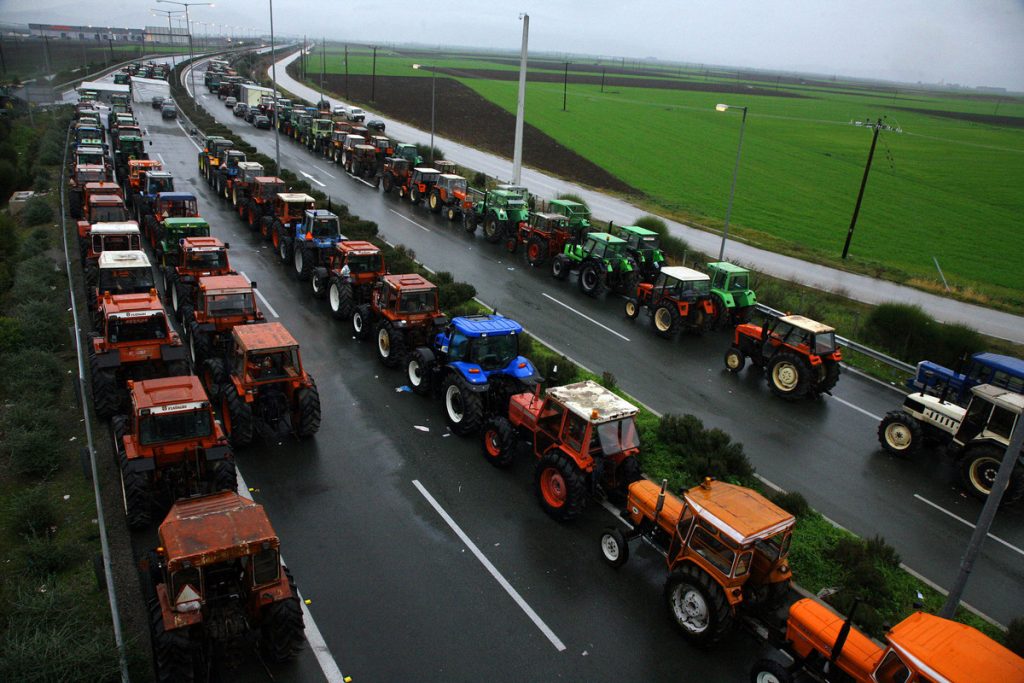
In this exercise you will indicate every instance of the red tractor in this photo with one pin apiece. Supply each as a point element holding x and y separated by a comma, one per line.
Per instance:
<point>259,202</point>
<point>102,203</point>
<point>108,237</point>
<point>799,357</point>
<point>584,438</point>
<point>679,298</point>
<point>451,195</point>
<point>347,276</point>
<point>169,447</point>
<point>216,586</point>
<point>286,214</point>
<point>84,174</point>
<point>219,304</point>
<point>545,234</point>
<point>240,185</point>
<point>118,272</point>
<point>396,173</point>
<point>404,313</point>
<point>136,342</point>
<point>263,386</point>
<point>197,257</point>
<point>420,184</point>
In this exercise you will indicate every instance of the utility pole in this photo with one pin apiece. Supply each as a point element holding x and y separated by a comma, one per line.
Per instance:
<point>373,76</point>
<point>348,93</point>
<point>517,150</point>
<point>46,52</point>
<point>603,69</point>
<point>565,86</point>
<point>3,61</point>
<point>323,66</point>
<point>110,44</point>
<point>863,184</point>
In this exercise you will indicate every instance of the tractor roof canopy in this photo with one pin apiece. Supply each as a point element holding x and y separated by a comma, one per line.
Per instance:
<point>192,224</point>
<point>123,259</point>
<point>263,337</point>
<point>545,217</point>
<point>295,198</point>
<point>225,284</point>
<point>1004,398</point>
<point>126,228</point>
<point>726,267</point>
<point>409,281</point>
<point>202,242</point>
<point>637,230</point>
<point>144,304</point>
<point>608,239</point>
<point>685,274</point>
<point>169,394</point>
<point>474,326</point>
<point>212,529</point>
<point>802,323</point>
<point>743,514</point>
<point>592,402</point>
<point>175,197</point>
<point>356,246</point>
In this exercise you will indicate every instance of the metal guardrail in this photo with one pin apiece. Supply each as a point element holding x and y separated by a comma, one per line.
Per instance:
<point>859,348</point>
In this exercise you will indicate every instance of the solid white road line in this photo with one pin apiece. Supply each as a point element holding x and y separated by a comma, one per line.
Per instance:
<point>970,524</point>
<point>324,171</point>
<point>161,156</point>
<point>583,315</point>
<point>189,137</point>
<point>261,297</point>
<point>312,178</point>
<point>857,408</point>
<point>523,605</point>
<point>313,636</point>
<point>421,227</point>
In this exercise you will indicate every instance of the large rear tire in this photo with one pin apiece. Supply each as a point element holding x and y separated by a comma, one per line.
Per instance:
<point>828,376</point>
<point>138,496</point>
<point>697,605</point>
<point>236,416</point>
<point>463,407</point>
<point>592,279</point>
<point>308,400</point>
<point>106,397</point>
<point>560,486</point>
<point>282,633</point>
<point>979,466</point>
<point>172,650</point>
<point>225,477</point>
<point>537,251</point>
<point>419,372</point>
<point>499,441</point>
<point>361,321</point>
<point>390,344</point>
<point>665,320</point>
<point>492,229</point>
<point>899,433</point>
<point>318,282</point>
<point>560,267</point>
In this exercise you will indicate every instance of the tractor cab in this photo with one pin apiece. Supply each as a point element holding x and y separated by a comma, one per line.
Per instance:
<point>139,169</point>
<point>398,167</point>
<point>320,227</point>
<point>383,146</point>
<point>645,246</point>
<point>677,283</point>
<point>407,299</point>
<point>87,135</point>
<point>105,237</point>
<point>101,208</point>
<point>812,337</point>
<point>156,182</point>
<point>173,414</point>
<point>599,245</point>
<point>266,188</point>
<point>89,173</point>
<point>586,419</point>
<point>490,343</point>
<point>954,385</point>
<point>678,298</point>
<point>131,147</point>
<point>409,152</point>
<point>265,354</point>
<point>548,223</point>
<point>176,205</point>
<point>131,320</point>
<point>174,231</point>
<point>578,214</point>
<point>203,256</point>
<point>452,186</point>
<point>124,272</point>
<point>364,260</point>
<point>730,285</point>
<point>228,160</point>
<point>227,298</point>
<point>290,207</point>
<point>517,190</point>
<point>92,156</point>
<point>505,200</point>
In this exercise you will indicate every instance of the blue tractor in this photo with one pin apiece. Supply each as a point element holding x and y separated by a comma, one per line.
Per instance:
<point>1005,372</point>
<point>309,244</point>
<point>475,365</point>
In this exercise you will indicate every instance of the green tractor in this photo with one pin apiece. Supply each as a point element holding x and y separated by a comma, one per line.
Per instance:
<point>409,152</point>
<point>171,232</point>
<point>320,136</point>
<point>578,214</point>
<point>733,299</point>
<point>501,211</point>
<point>645,247</point>
<point>603,262</point>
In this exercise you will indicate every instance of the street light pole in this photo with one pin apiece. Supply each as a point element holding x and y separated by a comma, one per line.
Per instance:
<point>433,101</point>
<point>735,171</point>
<point>170,29</point>
<point>517,148</point>
<point>565,86</point>
<point>277,112</point>
<point>188,27</point>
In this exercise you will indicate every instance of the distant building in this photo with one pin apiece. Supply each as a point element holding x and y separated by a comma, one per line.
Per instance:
<point>164,35</point>
<point>992,89</point>
<point>96,33</point>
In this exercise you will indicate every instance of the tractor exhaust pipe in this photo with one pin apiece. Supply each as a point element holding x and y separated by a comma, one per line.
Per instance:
<point>844,633</point>
<point>661,501</point>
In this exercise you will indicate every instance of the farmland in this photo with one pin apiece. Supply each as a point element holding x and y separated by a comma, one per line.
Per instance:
<point>942,186</point>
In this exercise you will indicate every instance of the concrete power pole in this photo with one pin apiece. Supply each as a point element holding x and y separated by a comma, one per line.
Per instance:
<point>517,153</point>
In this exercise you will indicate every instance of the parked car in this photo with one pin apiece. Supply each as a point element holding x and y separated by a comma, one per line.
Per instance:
<point>250,114</point>
<point>261,121</point>
<point>356,114</point>
<point>375,124</point>
<point>340,110</point>
<point>239,108</point>
<point>157,101</point>
<point>168,111</point>
<point>230,104</point>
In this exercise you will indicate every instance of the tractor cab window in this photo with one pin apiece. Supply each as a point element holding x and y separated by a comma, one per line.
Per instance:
<point>115,243</point>
<point>273,364</point>
<point>739,282</point>
<point>108,214</point>
<point>150,328</point>
<point>269,190</point>
<point>181,209</point>
<point>1005,380</point>
<point>574,431</point>
<point>126,280</point>
<point>90,176</point>
<point>646,242</point>
<point>892,669</point>
<point>492,353</point>
<point>708,544</point>
<point>1001,422</point>
<point>364,263</point>
<point>975,420</point>
<point>207,260</point>
<point>158,428</point>
<point>824,343</point>
<point>160,184</point>
<point>417,302</point>
<point>457,185</point>
<point>550,419</point>
<point>618,436</point>
<point>594,248</point>
<point>325,227</point>
<point>693,289</point>
<point>457,346</point>
<point>718,279</point>
<point>266,567</point>
<point>91,159</point>
<point>221,305</point>
<point>776,547</point>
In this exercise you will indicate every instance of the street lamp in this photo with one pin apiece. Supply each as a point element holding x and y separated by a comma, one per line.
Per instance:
<point>735,170</point>
<point>170,30</point>
<point>191,58</point>
<point>273,76</point>
<point>433,83</point>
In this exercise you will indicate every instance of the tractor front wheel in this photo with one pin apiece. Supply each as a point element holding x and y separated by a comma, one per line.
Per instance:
<point>361,321</point>
<point>697,605</point>
<point>788,376</point>
<point>899,433</point>
<point>614,549</point>
<point>282,633</point>
<point>172,650</point>
<point>318,282</point>
<point>492,229</point>
<point>632,308</point>
<point>560,486</point>
<point>592,279</point>
<point>499,442</point>
<point>451,214</point>
<point>284,247</point>
<point>769,671</point>
<point>307,402</point>
<point>418,371</point>
<point>303,260</point>
<point>236,416</point>
<point>469,221</point>
<point>463,408</point>
<point>388,182</point>
<point>734,360</point>
<point>339,298</point>
<point>390,344</point>
<point>435,202</point>
<point>665,320</point>
<point>536,251</point>
<point>414,195</point>
<point>560,267</point>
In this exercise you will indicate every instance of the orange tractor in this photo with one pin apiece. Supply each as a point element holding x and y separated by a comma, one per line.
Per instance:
<point>347,276</point>
<point>584,438</point>
<point>799,356</point>
<point>726,548</point>
<point>820,645</point>
<point>219,304</point>
<point>216,584</point>
<point>679,298</point>
<point>83,175</point>
<point>263,386</point>
<point>450,195</point>
<point>135,342</point>
<point>169,447</point>
<point>101,203</point>
<point>197,257</point>
<point>108,237</point>
<point>403,312</point>
<point>259,201</point>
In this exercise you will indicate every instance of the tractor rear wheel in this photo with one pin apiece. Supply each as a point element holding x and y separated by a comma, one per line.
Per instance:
<point>769,671</point>
<point>266,227</point>
<point>469,221</point>
<point>339,298</point>
<point>308,404</point>
<point>225,477</point>
<point>499,442</point>
<point>492,229</point>
<point>304,261</point>
<point>734,360</point>
<point>172,650</point>
<point>284,247</point>
<point>418,371</point>
<point>236,416</point>
<point>721,312</point>
<point>536,251</point>
<point>318,282</point>
<point>560,486</point>
<point>899,433</point>
<point>614,549</point>
<point>199,345</point>
<point>632,308</point>
<point>390,344</point>
<point>463,407</point>
<point>592,279</point>
<point>283,631</point>
<point>560,267</point>
<point>697,605</point>
<point>388,182</point>
<point>979,466</point>
<point>626,473</point>
<point>138,499</point>
<point>788,376</point>
<point>828,376</point>
<point>361,321</point>
<point>414,195</point>
<point>665,320</point>
<point>214,376</point>
<point>106,397</point>
<point>92,274</point>
<point>435,202</point>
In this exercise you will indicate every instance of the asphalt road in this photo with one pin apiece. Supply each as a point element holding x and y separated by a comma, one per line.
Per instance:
<point>607,207</point>
<point>825,449</point>
<point>395,592</point>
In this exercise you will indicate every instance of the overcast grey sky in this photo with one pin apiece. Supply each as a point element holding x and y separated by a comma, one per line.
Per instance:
<point>972,42</point>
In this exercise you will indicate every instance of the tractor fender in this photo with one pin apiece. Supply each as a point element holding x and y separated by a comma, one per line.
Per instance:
<point>169,353</point>
<point>727,297</point>
<point>321,273</point>
<point>140,464</point>
<point>215,453</point>
<point>108,360</point>
<point>474,375</point>
<point>207,328</point>
<point>522,369</point>
<point>500,214</point>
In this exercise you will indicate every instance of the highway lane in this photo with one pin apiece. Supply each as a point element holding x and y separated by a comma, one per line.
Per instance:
<point>395,592</point>
<point>608,207</point>
<point>826,449</point>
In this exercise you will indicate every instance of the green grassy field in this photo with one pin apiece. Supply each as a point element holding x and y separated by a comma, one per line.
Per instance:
<point>940,187</point>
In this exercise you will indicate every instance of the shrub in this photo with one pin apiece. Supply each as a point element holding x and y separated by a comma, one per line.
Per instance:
<point>43,320</point>
<point>691,452</point>
<point>1015,636</point>
<point>555,370</point>
<point>907,332</point>
<point>37,211</point>
<point>672,246</point>
<point>46,555</point>
<point>454,294</point>
<point>33,453</point>
<point>424,151</point>
<point>32,512</point>
<point>792,502</point>
<point>608,380</point>
<point>479,180</point>
<point>32,375</point>
<point>10,334</point>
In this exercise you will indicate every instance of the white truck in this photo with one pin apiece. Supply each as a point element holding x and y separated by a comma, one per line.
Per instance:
<point>251,94</point>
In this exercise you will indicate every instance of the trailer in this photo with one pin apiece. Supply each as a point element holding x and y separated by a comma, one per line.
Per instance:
<point>252,94</point>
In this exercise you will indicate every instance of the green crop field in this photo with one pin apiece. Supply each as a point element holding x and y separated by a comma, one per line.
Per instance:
<point>940,187</point>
